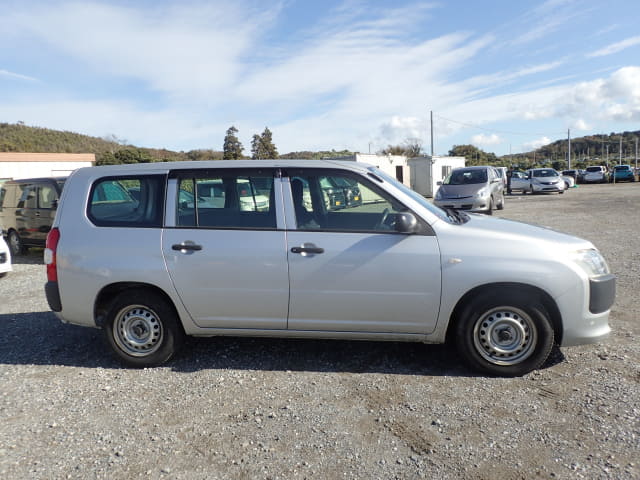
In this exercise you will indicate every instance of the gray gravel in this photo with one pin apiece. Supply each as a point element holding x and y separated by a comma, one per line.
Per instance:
<point>280,409</point>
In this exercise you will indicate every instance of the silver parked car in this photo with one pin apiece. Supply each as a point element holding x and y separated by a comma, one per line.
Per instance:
<point>150,268</point>
<point>477,189</point>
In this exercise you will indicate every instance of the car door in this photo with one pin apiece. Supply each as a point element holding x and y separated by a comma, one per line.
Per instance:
<point>45,212</point>
<point>223,249</point>
<point>349,270</point>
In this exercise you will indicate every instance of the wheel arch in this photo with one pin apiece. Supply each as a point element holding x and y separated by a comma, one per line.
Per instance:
<point>507,288</point>
<point>109,292</point>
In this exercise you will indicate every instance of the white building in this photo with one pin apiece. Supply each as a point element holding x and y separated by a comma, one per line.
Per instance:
<point>29,165</point>
<point>421,174</point>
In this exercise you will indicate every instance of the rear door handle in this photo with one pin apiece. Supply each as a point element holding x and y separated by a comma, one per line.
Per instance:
<point>307,248</point>
<point>186,247</point>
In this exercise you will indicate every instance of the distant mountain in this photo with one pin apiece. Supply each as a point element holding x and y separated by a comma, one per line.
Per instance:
<point>587,148</point>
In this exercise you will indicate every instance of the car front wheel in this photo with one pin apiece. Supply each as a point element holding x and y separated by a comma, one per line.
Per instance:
<point>505,335</point>
<point>142,329</point>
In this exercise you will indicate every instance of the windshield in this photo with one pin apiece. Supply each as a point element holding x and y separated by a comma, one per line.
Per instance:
<point>547,172</point>
<point>441,214</point>
<point>466,177</point>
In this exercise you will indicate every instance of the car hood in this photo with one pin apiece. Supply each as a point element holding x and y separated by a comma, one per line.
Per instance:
<point>460,191</point>
<point>501,235</point>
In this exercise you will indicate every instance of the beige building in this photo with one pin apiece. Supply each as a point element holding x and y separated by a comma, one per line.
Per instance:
<point>28,165</point>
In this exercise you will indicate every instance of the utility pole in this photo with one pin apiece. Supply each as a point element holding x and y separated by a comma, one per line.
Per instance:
<point>620,153</point>
<point>569,148</point>
<point>431,114</point>
<point>636,152</point>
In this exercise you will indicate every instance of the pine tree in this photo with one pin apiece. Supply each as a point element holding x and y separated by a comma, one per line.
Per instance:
<point>262,146</point>
<point>232,148</point>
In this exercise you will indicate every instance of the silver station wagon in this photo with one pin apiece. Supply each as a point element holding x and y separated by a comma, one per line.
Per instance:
<point>153,252</point>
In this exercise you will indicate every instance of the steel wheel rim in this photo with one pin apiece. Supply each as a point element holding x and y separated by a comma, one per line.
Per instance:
<point>137,330</point>
<point>14,243</point>
<point>505,336</point>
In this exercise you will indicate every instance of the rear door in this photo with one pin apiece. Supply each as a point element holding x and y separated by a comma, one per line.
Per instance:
<point>224,251</point>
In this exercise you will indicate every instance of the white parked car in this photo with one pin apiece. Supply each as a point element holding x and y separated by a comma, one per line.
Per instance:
<point>596,174</point>
<point>545,180</point>
<point>391,266</point>
<point>5,257</point>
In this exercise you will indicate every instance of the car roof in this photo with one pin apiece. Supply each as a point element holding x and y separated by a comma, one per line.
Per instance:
<point>160,167</point>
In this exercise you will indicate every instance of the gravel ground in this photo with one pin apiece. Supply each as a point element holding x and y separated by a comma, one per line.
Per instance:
<point>280,409</point>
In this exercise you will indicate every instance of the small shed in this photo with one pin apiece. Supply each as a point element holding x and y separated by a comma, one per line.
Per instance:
<point>15,165</point>
<point>427,171</point>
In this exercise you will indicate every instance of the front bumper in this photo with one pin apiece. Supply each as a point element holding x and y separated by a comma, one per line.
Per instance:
<point>473,204</point>
<point>555,187</point>
<point>594,326</point>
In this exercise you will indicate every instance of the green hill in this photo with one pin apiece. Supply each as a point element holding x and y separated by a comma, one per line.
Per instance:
<point>23,138</point>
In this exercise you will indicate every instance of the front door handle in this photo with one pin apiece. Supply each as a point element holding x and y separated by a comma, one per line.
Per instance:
<point>186,247</point>
<point>307,248</point>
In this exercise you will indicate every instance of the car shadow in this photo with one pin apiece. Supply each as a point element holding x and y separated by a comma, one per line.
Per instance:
<point>35,256</point>
<point>39,338</point>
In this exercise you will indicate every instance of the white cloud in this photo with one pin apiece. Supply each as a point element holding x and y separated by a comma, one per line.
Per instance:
<point>616,47</point>
<point>580,124</point>
<point>18,76</point>
<point>532,145</point>
<point>482,139</point>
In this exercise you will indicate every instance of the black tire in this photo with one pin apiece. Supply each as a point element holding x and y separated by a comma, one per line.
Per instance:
<point>3,274</point>
<point>15,244</point>
<point>561,192</point>
<point>501,204</point>
<point>506,334</point>
<point>489,211</point>
<point>143,329</point>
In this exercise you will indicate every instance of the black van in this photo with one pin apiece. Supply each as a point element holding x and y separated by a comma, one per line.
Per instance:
<point>27,210</point>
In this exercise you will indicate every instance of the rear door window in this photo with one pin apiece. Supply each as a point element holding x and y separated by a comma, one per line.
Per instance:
<point>226,199</point>
<point>128,201</point>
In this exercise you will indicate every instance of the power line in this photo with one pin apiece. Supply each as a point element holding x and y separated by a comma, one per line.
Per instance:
<point>496,131</point>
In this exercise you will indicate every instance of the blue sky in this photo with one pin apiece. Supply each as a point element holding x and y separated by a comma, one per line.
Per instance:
<point>346,74</point>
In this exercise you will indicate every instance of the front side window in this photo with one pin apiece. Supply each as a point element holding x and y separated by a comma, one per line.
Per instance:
<point>226,200</point>
<point>341,201</point>
<point>128,201</point>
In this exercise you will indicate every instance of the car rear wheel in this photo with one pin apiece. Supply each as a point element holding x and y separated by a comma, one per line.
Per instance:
<point>142,329</point>
<point>15,243</point>
<point>506,335</point>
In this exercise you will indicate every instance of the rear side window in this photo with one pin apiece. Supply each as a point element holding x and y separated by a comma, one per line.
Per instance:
<point>127,201</point>
<point>226,199</point>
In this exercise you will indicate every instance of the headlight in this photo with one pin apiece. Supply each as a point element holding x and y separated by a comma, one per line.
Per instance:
<point>482,193</point>
<point>591,262</point>
<point>439,194</point>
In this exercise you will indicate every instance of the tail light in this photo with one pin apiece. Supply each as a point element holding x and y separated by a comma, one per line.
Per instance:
<point>50,259</point>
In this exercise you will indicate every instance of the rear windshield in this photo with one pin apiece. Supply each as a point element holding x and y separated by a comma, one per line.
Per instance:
<point>594,169</point>
<point>622,167</point>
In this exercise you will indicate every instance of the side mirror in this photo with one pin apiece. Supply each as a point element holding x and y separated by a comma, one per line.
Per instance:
<point>405,223</point>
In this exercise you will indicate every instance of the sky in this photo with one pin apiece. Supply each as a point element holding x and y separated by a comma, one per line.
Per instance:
<point>506,76</point>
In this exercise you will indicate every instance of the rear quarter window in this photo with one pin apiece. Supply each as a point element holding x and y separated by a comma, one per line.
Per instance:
<point>132,201</point>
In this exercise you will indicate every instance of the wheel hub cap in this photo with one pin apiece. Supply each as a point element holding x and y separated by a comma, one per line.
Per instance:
<point>138,331</point>
<point>505,336</point>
